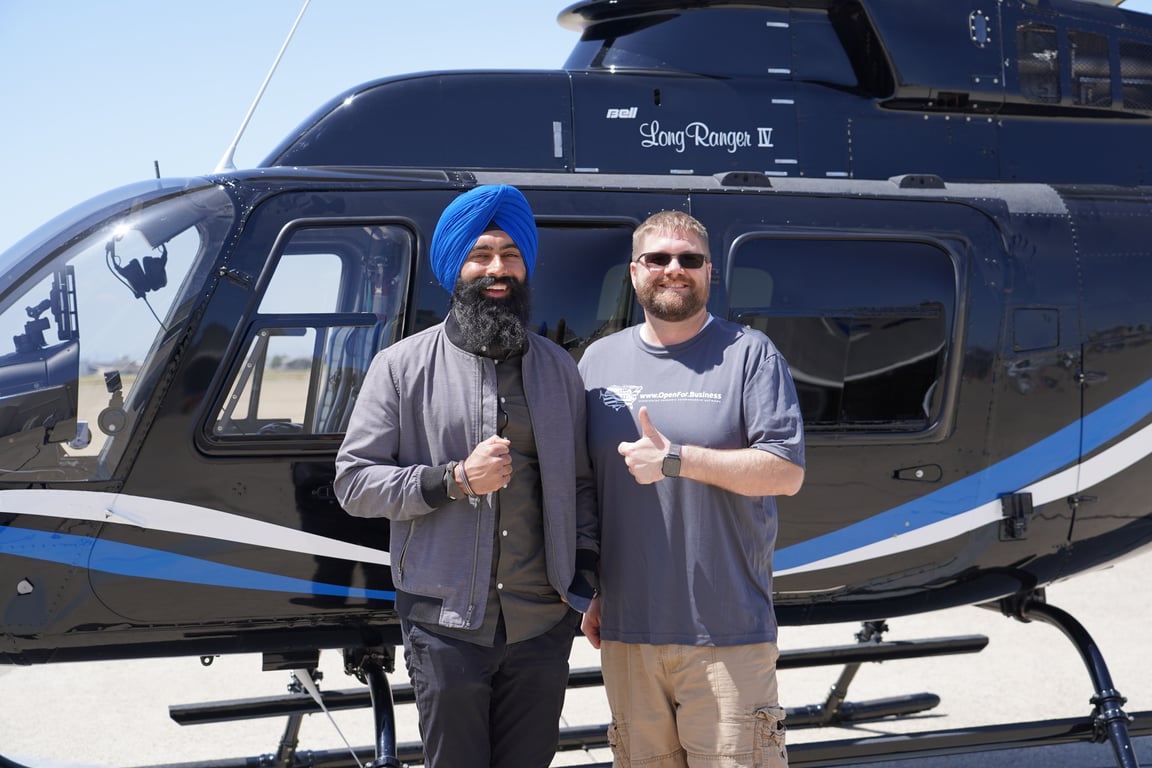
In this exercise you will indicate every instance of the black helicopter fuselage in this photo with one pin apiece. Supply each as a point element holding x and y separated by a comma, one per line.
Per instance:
<point>969,338</point>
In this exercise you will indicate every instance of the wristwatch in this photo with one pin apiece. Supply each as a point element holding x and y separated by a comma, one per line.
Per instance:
<point>671,465</point>
<point>451,488</point>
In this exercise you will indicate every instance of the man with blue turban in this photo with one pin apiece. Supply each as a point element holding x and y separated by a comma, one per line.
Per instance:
<point>468,216</point>
<point>469,438</point>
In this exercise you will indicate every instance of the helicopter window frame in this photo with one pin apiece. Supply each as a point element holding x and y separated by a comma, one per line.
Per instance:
<point>1136,74</point>
<point>1091,68</point>
<point>317,355</point>
<point>1038,62</point>
<point>852,319</point>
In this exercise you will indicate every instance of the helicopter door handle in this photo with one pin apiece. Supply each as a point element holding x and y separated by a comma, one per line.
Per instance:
<point>324,493</point>
<point>925,473</point>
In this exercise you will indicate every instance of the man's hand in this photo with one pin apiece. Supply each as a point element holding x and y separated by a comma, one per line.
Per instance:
<point>746,471</point>
<point>590,624</point>
<point>645,457</point>
<point>488,467</point>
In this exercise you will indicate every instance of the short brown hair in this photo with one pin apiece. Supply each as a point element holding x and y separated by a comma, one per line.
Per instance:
<point>670,223</point>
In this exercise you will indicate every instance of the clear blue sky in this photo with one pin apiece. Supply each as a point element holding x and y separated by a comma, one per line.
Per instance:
<point>93,93</point>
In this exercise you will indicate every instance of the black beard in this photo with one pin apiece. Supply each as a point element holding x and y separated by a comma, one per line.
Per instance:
<point>494,327</point>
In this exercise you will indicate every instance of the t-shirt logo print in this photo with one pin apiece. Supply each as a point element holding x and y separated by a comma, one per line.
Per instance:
<point>620,396</point>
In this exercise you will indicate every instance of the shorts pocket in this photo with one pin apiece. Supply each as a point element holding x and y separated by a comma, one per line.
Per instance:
<point>620,757</point>
<point>769,749</point>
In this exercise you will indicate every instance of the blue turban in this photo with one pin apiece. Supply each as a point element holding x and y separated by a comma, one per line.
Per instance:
<point>468,216</point>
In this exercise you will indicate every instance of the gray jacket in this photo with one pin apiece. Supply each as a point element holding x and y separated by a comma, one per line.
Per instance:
<point>425,402</point>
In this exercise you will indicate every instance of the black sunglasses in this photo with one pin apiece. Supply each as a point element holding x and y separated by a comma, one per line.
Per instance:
<point>659,259</point>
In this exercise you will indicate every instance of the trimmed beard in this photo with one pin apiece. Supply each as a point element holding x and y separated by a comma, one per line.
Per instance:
<point>496,325</point>
<point>666,306</point>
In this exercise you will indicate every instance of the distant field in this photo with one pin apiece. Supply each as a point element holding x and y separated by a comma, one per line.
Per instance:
<point>283,395</point>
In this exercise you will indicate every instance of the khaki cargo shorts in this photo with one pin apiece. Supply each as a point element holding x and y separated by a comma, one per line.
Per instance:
<point>690,706</point>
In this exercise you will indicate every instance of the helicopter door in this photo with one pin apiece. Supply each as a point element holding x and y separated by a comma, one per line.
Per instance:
<point>870,321</point>
<point>869,355</point>
<point>335,294</point>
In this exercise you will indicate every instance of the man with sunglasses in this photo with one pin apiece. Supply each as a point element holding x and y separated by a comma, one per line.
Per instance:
<point>470,438</point>
<point>694,428</point>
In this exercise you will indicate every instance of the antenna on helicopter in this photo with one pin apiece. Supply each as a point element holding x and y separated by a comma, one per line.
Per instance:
<point>226,162</point>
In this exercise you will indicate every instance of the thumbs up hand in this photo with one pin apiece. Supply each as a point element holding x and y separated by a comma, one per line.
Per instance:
<point>645,457</point>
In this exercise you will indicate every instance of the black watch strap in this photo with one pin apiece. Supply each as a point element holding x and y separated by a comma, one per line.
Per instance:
<point>450,485</point>
<point>671,465</point>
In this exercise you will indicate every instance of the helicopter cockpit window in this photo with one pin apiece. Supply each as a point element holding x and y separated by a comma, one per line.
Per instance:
<point>1136,74</point>
<point>867,352</point>
<point>1038,63</point>
<point>335,299</point>
<point>88,331</point>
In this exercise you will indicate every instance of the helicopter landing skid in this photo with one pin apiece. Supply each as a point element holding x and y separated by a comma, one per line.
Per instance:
<point>371,667</point>
<point>836,710</point>
<point>1108,721</point>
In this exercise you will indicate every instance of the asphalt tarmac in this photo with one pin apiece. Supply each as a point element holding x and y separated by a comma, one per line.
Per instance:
<point>115,714</point>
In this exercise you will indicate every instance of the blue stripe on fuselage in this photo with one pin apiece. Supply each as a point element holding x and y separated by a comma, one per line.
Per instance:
<point>146,563</point>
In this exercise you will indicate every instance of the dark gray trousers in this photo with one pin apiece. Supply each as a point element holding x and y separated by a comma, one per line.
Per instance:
<point>498,707</point>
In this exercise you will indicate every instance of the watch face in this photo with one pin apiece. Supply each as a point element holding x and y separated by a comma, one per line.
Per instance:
<point>671,465</point>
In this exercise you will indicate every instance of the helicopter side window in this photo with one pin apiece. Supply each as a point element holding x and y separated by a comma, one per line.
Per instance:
<point>867,352</point>
<point>334,300</point>
<point>1091,70</point>
<point>580,287</point>
<point>1136,74</point>
<point>1038,62</point>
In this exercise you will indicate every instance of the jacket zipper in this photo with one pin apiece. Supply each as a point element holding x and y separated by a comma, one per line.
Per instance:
<point>476,539</point>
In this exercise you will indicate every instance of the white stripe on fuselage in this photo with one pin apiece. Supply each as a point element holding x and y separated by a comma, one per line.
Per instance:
<point>176,517</point>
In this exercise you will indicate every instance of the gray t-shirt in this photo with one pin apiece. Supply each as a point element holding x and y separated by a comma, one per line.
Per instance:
<point>683,562</point>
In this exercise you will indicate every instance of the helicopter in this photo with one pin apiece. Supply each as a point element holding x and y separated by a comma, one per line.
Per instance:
<point>963,315</point>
